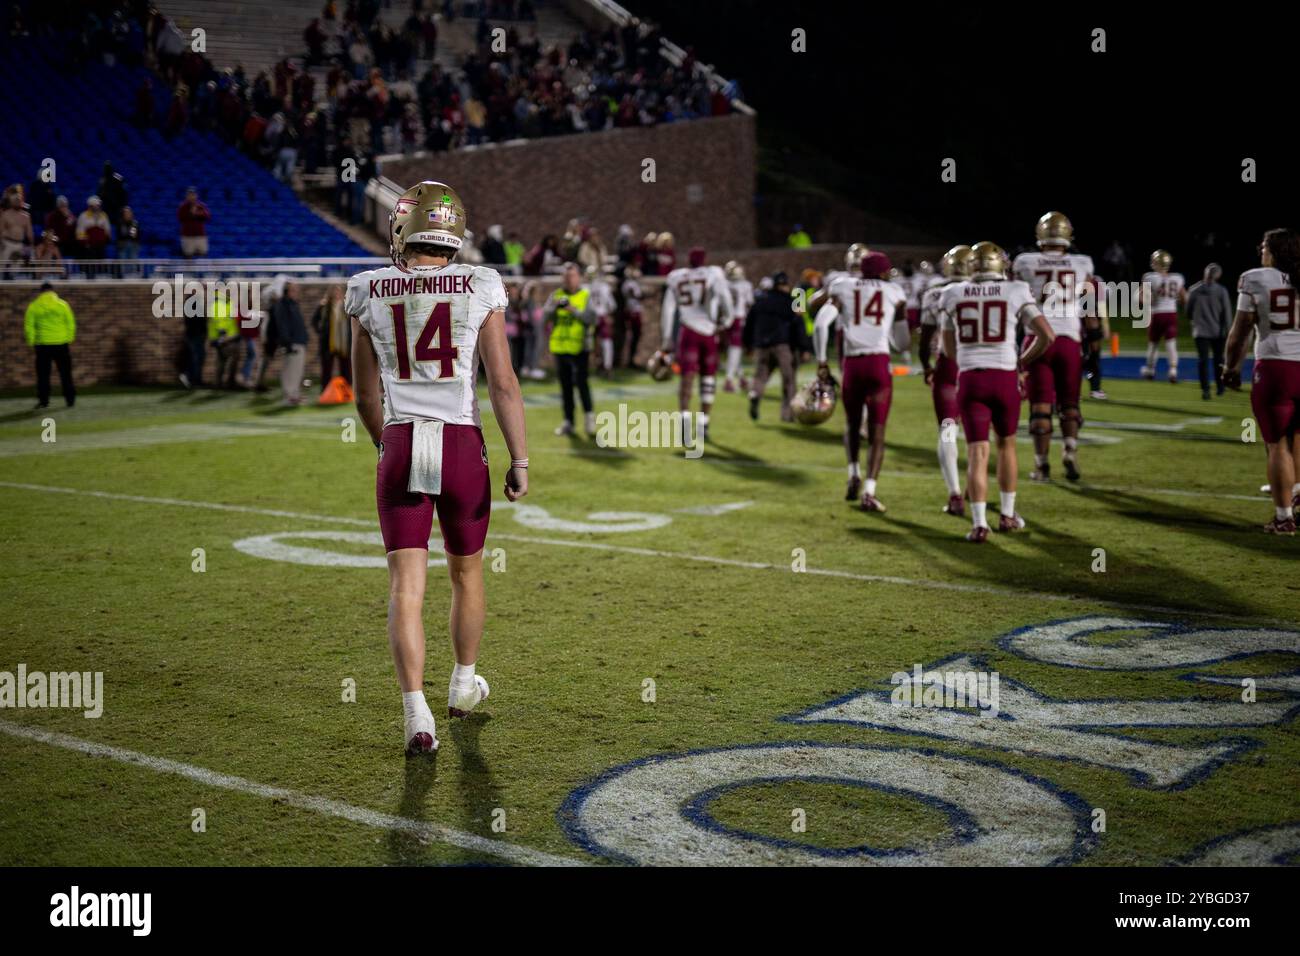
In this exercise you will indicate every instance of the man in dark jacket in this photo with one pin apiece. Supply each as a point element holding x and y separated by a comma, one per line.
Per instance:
<point>773,329</point>
<point>291,335</point>
<point>1209,307</point>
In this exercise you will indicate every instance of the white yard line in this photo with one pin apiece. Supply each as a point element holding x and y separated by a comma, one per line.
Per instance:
<point>929,584</point>
<point>421,829</point>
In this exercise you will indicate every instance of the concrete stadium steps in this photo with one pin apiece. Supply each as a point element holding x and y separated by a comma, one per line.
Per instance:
<point>256,35</point>
<point>456,38</point>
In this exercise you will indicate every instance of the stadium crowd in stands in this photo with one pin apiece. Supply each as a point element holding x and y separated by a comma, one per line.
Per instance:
<point>372,102</point>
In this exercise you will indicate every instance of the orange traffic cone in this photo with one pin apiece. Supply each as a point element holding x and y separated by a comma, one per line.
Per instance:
<point>1114,344</point>
<point>337,392</point>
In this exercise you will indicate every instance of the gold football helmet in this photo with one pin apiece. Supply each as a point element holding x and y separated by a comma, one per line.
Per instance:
<point>853,257</point>
<point>987,258</point>
<point>925,268</point>
<point>734,270</point>
<point>664,240</point>
<point>1054,229</point>
<point>815,402</point>
<point>957,262</point>
<point>660,366</point>
<point>429,213</point>
<point>1161,260</point>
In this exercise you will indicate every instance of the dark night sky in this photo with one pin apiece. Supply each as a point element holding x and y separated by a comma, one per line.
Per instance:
<point>1144,141</point>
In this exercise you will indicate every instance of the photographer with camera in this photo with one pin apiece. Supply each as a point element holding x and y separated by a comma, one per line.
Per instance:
<point>570,316</point>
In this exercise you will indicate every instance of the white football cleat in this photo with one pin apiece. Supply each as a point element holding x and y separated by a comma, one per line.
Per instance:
<point>460,705</point>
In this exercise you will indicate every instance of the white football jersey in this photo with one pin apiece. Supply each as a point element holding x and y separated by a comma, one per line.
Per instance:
<point>1161,291</point>
<point>742,297</point>
<point>931,303</point>
<point>701,298</point>
<point>866,313</point>
<point>1056,280</point>
<point>424,323</point>
<point>632,296</point>
<point>983,315</point>
<point>1268,295</point>
<point>912,286</point>
<point>602,298</point>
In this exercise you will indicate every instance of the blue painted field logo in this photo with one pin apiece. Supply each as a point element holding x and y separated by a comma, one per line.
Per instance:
<point>74,908</point>
<point>971,689</point>
<point>74,690</point>
<point>637,429</point>
<point>663,808</point>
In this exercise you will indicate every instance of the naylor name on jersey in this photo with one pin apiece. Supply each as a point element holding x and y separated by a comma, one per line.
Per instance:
<point>420,285</point>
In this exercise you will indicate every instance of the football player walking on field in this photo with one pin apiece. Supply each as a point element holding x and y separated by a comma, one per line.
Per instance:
<point>1159,296</point>
<point>1267,303</point>
<point>1056,276</point>
<point>700,298</point>
<point>978,318</point>
<point>419,329</point>
<point>942,376</point>
<point>871,313</point>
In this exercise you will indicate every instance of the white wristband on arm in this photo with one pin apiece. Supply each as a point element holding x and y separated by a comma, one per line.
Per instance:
<point>518,462</point>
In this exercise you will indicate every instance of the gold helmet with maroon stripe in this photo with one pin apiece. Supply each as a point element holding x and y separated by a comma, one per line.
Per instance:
<point>429,213</point>
<point>1054,229</point>
<point>1161,260</point>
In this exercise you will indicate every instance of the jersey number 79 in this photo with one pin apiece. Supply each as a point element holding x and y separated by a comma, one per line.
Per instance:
<point>433,344</point>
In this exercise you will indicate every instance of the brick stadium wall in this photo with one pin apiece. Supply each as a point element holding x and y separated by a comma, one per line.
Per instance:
<point>118,339</point>
<point>703,193</point>
<point>120,342</point>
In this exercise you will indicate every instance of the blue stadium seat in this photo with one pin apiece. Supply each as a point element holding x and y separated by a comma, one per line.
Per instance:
<point>82,119</point>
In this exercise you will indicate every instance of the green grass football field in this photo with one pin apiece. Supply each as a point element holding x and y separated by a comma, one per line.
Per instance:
<point>689,659</point>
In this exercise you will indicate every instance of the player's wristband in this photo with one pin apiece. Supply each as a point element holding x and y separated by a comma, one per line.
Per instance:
<point>519,463</point>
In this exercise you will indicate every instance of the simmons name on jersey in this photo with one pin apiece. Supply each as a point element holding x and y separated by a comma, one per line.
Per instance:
<point>424,322</point>
<point>1055,280</point>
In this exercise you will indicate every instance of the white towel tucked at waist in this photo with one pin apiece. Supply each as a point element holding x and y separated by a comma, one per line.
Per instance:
<point>426,458</point>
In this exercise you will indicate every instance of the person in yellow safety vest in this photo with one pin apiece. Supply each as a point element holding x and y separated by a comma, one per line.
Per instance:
<point>798,239</point>
<point>49,326</point>
<point>812,284</point>
<point>223,337</point>
<point>569,313</point>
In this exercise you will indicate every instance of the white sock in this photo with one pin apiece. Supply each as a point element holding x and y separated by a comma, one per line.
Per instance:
<point>869,486</point>
<point>1171,346</point>
<point>1040,460</point>
<point>415,709</point>
<point>1151,357</point>
<point>1008,503</point>
<point>607,352</point>
<point>948,462</point>
<point>1295,489</point>
<point>702,419</point>
<point>733,360</point>
<point>462,677</point>
<point>1284,513</point>
<point>977,509</point>
<point>854,470</point>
